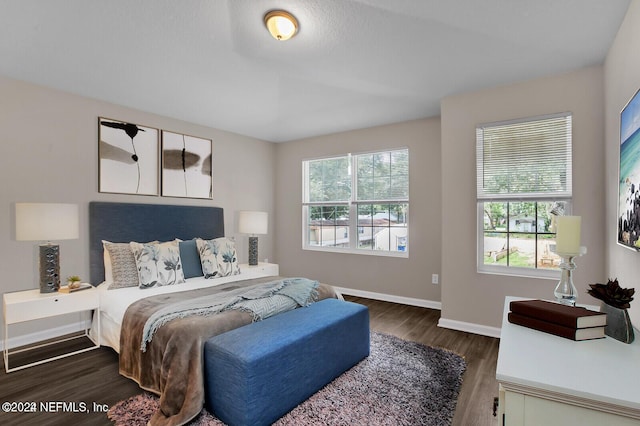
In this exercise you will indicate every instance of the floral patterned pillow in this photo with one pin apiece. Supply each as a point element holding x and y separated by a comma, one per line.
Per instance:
<point>158,264</point>
<point>218,257</point>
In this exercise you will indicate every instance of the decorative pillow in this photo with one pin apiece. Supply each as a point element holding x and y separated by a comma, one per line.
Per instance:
<point>218,257</point>
<point>123,271</point>
<point>158,264</point>
<point>191,266</point>
<point>106,260</point>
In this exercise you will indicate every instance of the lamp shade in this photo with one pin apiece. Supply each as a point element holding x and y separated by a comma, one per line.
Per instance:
<point>46,221</point>
<point>250,222</point>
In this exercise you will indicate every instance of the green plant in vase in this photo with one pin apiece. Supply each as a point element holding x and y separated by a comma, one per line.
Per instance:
<point>73,281</point>
<point>615,302</point>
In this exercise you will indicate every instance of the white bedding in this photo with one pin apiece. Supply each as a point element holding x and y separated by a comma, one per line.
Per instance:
<point>114,303</point>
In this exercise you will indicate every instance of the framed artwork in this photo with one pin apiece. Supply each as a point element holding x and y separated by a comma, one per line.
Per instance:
<point>128,158</point>
<point>629,175</point>
<point>186,166</point>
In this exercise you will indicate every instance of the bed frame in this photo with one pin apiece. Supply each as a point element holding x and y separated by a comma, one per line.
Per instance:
<point>124,222</point>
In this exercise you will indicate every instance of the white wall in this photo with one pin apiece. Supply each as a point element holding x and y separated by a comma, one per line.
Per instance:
<point>472,298</point>
<point>49,146</point>
<point>621,81</point>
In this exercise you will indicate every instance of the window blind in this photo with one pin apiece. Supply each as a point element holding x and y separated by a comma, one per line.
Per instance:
<point>328,180</point>
<point>526,159</point>
<point>383,176</point>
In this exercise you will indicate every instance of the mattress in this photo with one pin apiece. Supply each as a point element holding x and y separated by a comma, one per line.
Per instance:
<point>114,304</point>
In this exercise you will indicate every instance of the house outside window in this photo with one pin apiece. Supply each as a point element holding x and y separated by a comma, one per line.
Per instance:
<point>524,181</point>
<point>357,203</point>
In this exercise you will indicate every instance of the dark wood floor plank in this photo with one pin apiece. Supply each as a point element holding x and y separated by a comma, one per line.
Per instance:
<point>92,377</point>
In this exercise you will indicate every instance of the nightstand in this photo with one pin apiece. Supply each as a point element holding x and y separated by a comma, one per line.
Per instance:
<point>29,305</point>
<point>260,270</point>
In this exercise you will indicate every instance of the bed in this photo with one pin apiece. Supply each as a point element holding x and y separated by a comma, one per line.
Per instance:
<point>166,357</point>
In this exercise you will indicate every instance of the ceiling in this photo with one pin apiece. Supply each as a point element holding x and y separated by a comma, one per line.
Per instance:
<point>353,63</point>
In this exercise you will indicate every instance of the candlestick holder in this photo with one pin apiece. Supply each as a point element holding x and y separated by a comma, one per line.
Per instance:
<point>565,292</point>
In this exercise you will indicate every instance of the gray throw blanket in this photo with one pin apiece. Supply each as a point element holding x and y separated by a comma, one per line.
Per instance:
<point>261,301</point>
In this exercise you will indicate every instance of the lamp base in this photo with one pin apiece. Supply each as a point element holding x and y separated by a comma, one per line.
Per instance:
<point>565,292</point>
<point>49,268</point>
<point>253,251</point>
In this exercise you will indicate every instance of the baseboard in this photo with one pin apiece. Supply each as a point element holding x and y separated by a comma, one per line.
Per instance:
<point>469,327</point>
<point>390,298</point>
<point>50,333</point>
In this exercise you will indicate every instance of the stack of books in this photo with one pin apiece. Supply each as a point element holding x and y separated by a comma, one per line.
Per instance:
<point>570,322</point>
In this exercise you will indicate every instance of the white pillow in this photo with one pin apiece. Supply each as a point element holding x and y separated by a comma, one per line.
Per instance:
<point>106,259</point>
<point>158,264</point>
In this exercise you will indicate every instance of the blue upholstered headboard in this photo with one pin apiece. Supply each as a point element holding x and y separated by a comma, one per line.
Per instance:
<point>124,222</point>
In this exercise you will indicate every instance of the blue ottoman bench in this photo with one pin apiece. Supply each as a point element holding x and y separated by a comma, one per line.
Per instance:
<point>257,373</point>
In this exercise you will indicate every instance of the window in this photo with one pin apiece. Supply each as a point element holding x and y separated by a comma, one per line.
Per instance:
<point>357,202</point>
<point>524,180</point>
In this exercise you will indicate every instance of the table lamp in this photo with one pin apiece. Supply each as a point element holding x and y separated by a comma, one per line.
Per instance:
<point>46,222</point>
<point>253,223</point>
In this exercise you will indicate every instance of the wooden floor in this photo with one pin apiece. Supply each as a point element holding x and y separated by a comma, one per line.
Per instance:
<point>76,390</point>
<point>479,385</point>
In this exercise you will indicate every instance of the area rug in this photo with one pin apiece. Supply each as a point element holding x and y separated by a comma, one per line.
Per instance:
<point>400,383</point>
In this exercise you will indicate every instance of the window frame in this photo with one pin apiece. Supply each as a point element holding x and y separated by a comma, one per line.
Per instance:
<point>538,197</point>
<point>353,205</point>
<point>514,271</point>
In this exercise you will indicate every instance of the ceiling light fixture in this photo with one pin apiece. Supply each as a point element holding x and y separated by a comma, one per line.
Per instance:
<point>282,25</point>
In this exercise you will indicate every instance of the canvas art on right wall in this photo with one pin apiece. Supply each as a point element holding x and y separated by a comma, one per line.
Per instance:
<point>629,175</point>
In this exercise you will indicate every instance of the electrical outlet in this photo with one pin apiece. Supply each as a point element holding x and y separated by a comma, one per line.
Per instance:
<point>434,278</point>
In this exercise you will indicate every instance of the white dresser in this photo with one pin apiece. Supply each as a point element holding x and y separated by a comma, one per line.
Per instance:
<point>548,380</point>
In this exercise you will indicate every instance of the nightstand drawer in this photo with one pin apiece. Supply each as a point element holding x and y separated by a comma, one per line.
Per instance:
<point>259,270</point>
<point>20,309</point>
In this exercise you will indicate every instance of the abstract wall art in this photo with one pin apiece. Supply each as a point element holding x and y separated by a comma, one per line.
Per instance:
<point>186,166</point>
<point>128,158</point>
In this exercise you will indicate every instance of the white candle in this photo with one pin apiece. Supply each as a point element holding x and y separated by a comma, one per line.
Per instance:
<point>568,234</point>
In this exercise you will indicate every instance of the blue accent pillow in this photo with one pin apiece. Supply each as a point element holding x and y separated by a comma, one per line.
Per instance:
<point>191,266</point>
